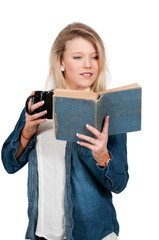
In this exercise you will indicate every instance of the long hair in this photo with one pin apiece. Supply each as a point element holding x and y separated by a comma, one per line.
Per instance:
<point>56,77</point>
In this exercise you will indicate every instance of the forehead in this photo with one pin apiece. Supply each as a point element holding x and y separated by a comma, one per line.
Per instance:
<point>80,44</point>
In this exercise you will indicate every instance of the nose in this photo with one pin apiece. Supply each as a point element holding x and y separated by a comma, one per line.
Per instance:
<point>87,62</point>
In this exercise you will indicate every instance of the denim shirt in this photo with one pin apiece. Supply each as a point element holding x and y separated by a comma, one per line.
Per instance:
<point>88,206</point>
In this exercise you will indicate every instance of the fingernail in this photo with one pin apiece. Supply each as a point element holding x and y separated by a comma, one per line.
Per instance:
<point>77,142</point>
<point>77,134</point>
<point>87,125</point>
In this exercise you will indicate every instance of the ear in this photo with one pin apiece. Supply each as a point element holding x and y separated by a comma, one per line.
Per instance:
<point>61,63</point>
<point>62,66</point>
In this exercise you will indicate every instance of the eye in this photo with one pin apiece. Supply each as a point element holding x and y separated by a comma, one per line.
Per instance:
<point>77,57</point>
<point>95,57</point>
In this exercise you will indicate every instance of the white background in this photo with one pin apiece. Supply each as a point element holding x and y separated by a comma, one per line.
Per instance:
<point>130,32</point>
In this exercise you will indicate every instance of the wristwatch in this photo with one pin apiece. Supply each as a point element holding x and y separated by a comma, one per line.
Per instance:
<point>106,162</point>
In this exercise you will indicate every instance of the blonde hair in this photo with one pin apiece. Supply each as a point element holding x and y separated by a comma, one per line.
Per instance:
<point>56,77</point>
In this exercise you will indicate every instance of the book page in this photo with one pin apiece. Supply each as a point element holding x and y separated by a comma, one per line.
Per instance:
<point>89,94</point>
<point>126,87</point>
<point>75,94</point>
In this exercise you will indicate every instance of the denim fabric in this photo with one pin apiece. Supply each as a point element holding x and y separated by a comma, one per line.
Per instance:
<point>89,210</point>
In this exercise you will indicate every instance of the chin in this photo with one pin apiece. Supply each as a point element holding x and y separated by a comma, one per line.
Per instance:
<point>87,85</point>
<point>84,87</point>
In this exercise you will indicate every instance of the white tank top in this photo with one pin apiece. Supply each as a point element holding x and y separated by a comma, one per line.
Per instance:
<point>51,173</point>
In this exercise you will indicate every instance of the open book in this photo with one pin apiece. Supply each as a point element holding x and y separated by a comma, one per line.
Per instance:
<point>73,109</point>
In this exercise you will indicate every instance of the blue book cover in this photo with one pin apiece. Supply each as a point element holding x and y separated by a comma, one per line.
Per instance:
<point>73,109</point>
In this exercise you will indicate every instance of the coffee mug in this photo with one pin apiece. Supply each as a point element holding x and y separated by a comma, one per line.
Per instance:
<point>45,96</point>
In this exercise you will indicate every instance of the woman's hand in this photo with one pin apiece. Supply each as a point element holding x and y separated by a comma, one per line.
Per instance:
<point>32,121</point>
<point>99,144</point>
<point>31,125</point>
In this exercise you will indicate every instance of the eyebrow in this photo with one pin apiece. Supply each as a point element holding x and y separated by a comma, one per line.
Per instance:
<point>83,52</point>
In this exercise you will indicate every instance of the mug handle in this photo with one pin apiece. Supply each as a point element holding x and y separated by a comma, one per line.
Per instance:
<point>26,105</point>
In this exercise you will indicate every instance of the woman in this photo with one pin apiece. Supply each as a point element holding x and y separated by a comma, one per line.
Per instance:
<point>70,184</point>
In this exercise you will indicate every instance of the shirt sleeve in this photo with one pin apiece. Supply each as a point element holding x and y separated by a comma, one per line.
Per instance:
<point>115,176</point>
<point>10,147</point>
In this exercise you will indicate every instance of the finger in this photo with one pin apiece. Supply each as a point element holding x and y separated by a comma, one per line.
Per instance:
<point>106,126</point>
<point>35,116</point>
<point>30,101</point>
<point>37,122</point>
<point>93,130</point>
<point>37,105</point>
<point>33,124</point>
<point>86,138</point>
<point>87,145</point>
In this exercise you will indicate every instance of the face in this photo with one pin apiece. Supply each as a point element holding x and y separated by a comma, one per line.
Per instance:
<point>81,64</point>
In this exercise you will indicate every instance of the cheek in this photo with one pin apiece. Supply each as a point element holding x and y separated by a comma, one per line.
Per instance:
<point>96,67</point>
<point>70,67</point>
<point>72,70</point>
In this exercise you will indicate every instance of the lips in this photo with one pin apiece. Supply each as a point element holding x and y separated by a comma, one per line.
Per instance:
<point>86,74</point>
